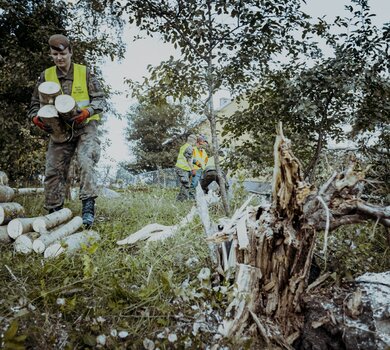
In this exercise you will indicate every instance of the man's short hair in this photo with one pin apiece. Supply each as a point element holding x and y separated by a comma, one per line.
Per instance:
<point>59,42</point>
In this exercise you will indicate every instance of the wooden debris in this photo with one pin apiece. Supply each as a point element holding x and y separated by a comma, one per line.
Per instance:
<point>3,178</point>
<point>66,106</point>
<point>48,91</point>
<point>40,244</point>
<point>6,194</point>
<point>4,238</point>
<point>44,223</point>
<point>9,211</point>
<point>71,243</point>
<point>24,243</point>
<point>18,226</point>
<point>28,190</point>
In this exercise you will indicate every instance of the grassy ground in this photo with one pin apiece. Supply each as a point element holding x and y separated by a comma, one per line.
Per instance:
<point>126,297</point>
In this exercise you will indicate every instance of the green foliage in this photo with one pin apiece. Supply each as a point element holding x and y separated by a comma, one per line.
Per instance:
<point>25,26</point>
<point>150,123</point>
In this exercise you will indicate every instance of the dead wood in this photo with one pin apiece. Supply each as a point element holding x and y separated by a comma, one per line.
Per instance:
<point>9,211</point>
<point>6,194</point>
<point>280,243</point>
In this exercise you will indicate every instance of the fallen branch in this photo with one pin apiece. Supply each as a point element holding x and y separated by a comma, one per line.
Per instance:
<point>43,223</point>
<point>9,211</point>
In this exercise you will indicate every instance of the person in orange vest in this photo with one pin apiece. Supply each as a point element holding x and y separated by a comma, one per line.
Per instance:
<point>185,168</point>
<point>79,82</point>
<point>200,159</point>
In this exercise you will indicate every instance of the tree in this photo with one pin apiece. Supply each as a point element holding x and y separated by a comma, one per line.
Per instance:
<point>150,123</point>
<point>223,43</point>
<point>25,27</point>
<point>315,102</point>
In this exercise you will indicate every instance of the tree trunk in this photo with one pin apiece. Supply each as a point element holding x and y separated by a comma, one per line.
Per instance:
<point>282,239</point>
<point>71,243</point>
<point>44,223</point>
<point>27,191</point>
<point>19,226</point>
<point>9,211</point>
<point>49,116</point>
<point>24,243</point>
<point>41,243</point>
<point>6,194</point>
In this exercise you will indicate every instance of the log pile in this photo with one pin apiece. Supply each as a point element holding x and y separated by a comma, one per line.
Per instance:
<point>272,246</point>
<point>50,235</point>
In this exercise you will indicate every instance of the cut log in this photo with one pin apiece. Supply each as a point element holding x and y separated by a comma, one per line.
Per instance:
<point>9,211</point>
<point>4,238</point>
<point>48,91</point>
<point>24,243</point>
<point>28,190</point>
<point>18,226</point>
<point>66,106</point>
<point>6,194</point>
<point>49,116</point>
<point>44,223</point>
<point>41,243</point>
<point>3,178</point>
<point>71,243</point>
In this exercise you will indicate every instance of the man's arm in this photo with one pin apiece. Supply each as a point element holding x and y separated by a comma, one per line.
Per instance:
<point>188,156</point>
<point>96,94</point>
<point>35,103</point>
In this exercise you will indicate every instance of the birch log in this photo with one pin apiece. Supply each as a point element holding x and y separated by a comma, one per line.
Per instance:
<point>66,106</point>
<point>3,178</point>
<point>48,91</point>
<point>41,243</point>
<point>6,194</point>
<point>4,238</point>
<point>49,116</point>
<point>24,243</point>
<point>44,223</point>
<point>16,227</point>
<point>9,211</point>
<point>71,243</point>
<point>28,190</point>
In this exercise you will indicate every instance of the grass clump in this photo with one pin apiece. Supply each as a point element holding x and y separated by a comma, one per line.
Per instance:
<point>127,295</point>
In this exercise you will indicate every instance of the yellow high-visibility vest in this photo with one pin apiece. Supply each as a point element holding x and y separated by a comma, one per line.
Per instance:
<point>182,162</point>
<point>79,86</point>
<point>200,155</point>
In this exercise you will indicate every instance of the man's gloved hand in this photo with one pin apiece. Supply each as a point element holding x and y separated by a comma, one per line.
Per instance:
<point>193,172</point>
<point>40,124</point>
<point>83,114</point>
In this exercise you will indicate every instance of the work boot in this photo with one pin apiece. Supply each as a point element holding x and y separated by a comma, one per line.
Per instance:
<point>88,212</point>
<point>52,210</point>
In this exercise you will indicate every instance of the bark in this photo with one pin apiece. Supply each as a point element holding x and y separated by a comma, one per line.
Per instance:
<point>41,243</point>
<point>6,194</point>
<point>9,211</point>
<point>47,92</point>
<point>49,116</point>
<point>24,243</point>
<point>27,191</point>
<point>3,178</point>
<point>4,238</point>
<point>44,223</point>
<point>19,226</point>
<point>71,243</point>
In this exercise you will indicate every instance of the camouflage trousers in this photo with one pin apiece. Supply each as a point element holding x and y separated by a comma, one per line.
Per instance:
<point>185,181</point>
<point>85,145</point>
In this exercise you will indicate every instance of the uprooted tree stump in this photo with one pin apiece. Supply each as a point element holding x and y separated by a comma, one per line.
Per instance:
<point>273,263</point>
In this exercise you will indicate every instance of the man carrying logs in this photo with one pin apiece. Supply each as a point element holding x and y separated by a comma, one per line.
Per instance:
<point>77,81</point>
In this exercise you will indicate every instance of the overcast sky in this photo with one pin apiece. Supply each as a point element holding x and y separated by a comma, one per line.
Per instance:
<point>143,52</point>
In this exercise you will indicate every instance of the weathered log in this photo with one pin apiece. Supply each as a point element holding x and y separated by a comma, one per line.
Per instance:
<point>9,211</point>
<point>28,190</point>
<point>49,116</point>
<point>6,194</point>
<point>3,178</point>
<point>71,243</point>
<point>48,91</point>
<point>24,243</point>
<point>18,226</point>
<point>43,223</point>
<point>66,106</point>
<point>41,243</point>
<point>4,238</point>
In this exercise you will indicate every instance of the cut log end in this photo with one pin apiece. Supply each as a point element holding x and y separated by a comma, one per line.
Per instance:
<point>47,112</point>
<point>65,104</point>
<point>23,244</point>
<point>15,228</point>
<point>53,251</point>
<point>38,246</point>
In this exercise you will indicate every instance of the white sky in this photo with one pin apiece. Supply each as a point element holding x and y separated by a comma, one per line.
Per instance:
<point>147,51</point>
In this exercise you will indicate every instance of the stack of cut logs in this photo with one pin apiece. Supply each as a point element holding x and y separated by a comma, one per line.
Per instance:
<point>52,234</point>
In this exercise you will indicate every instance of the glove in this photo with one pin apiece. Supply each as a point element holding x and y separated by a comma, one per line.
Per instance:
<point>83,114</point>
<point>40,124</point>
<point>193,172</point>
